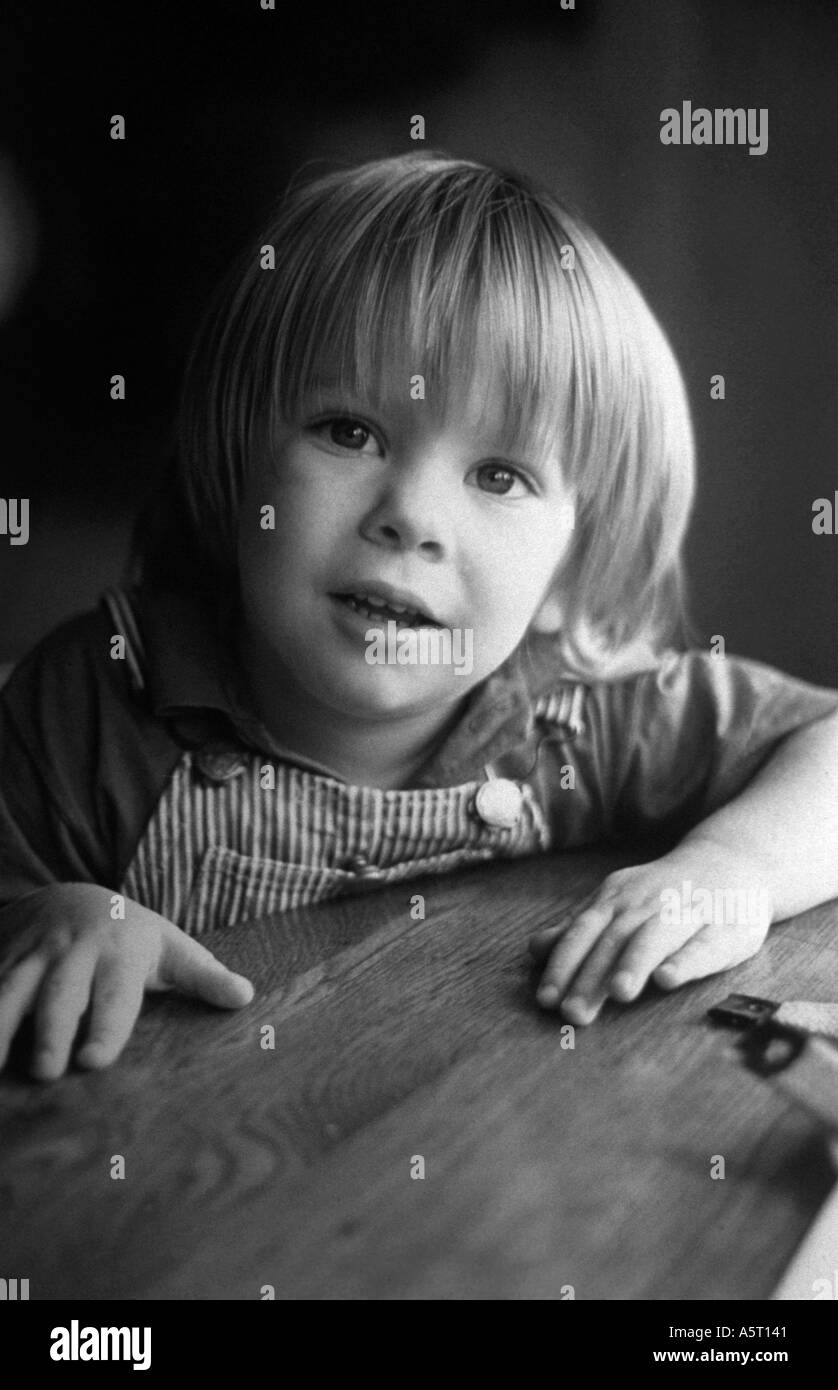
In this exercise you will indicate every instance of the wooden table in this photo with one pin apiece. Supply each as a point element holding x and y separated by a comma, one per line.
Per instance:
<point>545,1167</point>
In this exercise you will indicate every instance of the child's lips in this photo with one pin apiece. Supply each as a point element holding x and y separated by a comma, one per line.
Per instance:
<point>378,605</point>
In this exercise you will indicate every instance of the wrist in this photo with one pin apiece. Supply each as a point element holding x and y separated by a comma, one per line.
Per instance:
<point>716,861</point>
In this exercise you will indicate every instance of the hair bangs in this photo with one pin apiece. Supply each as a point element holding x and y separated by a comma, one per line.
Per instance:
<point>432,297</point>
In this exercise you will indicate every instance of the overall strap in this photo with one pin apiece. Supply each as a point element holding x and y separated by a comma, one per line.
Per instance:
<point>564,708</point>
<point>122,614</point>
<point>559,718</point>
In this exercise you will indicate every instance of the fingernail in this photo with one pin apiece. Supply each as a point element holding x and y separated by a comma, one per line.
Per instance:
<point>623,983</point>
<point>43,1063</point>
<point>548,995</point>
<point>576,1005</point>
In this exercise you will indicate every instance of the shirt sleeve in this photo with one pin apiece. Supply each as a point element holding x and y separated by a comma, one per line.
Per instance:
<point>683,740</point>
<point>45,716</point>
<point>81,764</point>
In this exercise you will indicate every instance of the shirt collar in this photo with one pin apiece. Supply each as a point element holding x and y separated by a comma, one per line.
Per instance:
<point>182,653</point>
<point>189,675</point>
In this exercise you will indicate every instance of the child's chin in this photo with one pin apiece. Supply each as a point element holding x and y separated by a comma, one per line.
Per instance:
<point>396,689</point>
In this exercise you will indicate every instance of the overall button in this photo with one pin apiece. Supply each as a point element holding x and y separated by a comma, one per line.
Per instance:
<point>219,764</point>
<point>360,866</point>
<point>499,803</point>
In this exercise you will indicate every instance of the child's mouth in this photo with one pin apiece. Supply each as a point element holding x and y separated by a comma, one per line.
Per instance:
<point>378,609</point>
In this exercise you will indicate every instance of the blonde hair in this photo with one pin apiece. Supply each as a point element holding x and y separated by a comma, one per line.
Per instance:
<point>419,259</point>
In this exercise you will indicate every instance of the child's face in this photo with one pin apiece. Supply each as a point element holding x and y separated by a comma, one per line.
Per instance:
<point>381,498</point>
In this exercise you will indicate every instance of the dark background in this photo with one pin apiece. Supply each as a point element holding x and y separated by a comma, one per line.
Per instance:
<point>108,249</point>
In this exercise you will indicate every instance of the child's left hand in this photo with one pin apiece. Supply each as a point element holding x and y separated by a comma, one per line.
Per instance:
<point>622,937</point>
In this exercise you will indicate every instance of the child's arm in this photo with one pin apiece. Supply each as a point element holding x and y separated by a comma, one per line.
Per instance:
<point>787,820</point>
<point>60,952</point>
<point>776,842</point>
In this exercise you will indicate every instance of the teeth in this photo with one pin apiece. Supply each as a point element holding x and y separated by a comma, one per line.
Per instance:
<point>376,601</point>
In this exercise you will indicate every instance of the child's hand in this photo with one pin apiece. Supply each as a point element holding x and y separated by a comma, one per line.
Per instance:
<point>652,921</point>
<point>60,952</point>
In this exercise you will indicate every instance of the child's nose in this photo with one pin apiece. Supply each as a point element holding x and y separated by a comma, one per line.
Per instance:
<point>411,513</point>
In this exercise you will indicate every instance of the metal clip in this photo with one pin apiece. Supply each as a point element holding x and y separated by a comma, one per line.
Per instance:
<point>742,1010</point>
<point>770,1048</point>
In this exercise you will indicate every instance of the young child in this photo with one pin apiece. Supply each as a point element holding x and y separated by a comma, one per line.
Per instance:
<point>428,404</point>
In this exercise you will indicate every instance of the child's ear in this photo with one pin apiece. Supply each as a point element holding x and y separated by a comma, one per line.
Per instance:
<point>549,616</point>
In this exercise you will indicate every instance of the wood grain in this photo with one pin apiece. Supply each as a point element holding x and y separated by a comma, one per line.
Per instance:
<point>545,1167</point>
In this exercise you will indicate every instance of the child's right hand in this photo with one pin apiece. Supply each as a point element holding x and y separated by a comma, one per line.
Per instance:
<point>60,952</point>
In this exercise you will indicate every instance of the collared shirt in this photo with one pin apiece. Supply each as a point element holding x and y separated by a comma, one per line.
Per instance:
<point>97,748</point>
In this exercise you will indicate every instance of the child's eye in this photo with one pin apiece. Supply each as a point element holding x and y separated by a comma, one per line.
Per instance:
<point>500,480</point>
<point>346,433</point>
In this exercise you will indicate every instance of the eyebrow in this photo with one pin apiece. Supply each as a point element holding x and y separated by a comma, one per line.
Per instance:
<point>327,383</point>
<point>331,388</point>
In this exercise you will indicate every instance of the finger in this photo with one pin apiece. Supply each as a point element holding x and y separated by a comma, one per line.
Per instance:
<point>190,967</point>
<point>708,952</point>
<point>542,942</point>
<point>592,984</point>
<point>63,998</point>
<point>569,952</point>
<point>650,946</point>
<point>18,989</point>
<point>118,990</point>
